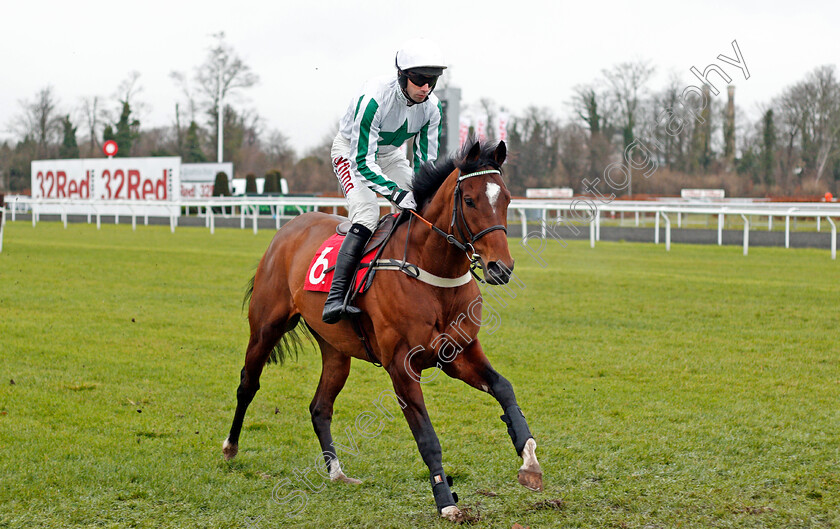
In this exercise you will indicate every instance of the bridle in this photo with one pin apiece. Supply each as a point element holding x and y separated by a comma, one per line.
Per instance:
<point>468,245</point>
<point>455,209</point>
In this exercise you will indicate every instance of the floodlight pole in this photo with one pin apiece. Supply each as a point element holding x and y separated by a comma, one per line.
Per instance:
<point>220,147</point>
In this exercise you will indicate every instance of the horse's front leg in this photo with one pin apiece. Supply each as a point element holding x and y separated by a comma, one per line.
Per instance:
<point>411,400</point>
<point>472,366</point>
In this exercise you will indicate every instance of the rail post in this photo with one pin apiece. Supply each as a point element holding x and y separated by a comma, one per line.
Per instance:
<point>544,222</point>
<point>833,238</point>
<point>598,224</point>
<point>2,224</point>
<point>746,233</point>
<point>656,228</point>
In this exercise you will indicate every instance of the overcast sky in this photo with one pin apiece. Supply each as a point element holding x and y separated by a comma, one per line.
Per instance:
<point>312,56</point>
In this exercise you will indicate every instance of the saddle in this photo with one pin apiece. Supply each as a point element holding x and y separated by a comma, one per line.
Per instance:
<point>380,236</point>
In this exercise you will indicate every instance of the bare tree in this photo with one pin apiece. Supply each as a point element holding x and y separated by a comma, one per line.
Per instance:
<point>627,85</point>
<point>535,138</point>
<point>791,108</point>
<point>489,109</point>
<point>575,151</point>
<point>223,74</point>
<point>180,79</point>
<point>128,90</point>
<point>822,119</point>
<point>592,106</point>
<point>280,153</point>
<point>589,104</point>
<point>670,129</point>
<point>94,116</point>
<point>39,120</point>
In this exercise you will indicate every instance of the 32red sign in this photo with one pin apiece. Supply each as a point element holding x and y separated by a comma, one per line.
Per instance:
<point>55,184</point>
<point>130,184</point>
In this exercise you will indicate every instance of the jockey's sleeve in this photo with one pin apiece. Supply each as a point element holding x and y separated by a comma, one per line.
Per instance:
<point>427,141</point>
<point>363,146</point>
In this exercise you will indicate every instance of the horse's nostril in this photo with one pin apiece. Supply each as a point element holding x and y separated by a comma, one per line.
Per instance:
<point>500,267</point>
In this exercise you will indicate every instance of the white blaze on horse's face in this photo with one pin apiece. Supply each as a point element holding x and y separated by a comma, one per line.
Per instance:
<point>493,191</point>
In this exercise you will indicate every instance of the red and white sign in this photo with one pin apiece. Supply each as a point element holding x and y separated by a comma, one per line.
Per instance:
<point>110,148</point>
<point>154,182</point>
<point>193,190</point>
<point>463,130</point>
<point>549,192</point>
<point>480,129</point>
<point>502,123</point>
<point>703,193</point>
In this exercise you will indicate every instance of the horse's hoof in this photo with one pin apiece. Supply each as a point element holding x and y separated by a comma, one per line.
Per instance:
<point>344,479</point>
<point>229,450</point>
<point>452,513</point>
<point>531,480</point>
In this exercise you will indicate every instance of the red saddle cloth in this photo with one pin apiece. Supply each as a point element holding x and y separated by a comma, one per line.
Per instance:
<point>319,276</point>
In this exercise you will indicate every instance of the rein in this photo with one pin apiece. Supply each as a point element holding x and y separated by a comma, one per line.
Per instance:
<point>466,247</point>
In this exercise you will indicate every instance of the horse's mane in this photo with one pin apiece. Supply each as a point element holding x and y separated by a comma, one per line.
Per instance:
<point>432,174</point>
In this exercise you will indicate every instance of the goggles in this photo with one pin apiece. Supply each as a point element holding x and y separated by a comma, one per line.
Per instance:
<point>419,80</point>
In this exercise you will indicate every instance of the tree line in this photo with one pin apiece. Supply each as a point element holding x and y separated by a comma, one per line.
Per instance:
<point>792,149</point>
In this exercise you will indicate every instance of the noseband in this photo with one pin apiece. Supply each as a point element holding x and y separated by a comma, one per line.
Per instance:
<point>458,212</point>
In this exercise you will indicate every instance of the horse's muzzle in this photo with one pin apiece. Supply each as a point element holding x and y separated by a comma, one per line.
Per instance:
<point>497,273</point>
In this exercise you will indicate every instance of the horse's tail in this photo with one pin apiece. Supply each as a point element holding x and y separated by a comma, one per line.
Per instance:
<point>292,340</point>
<point>249,291</point>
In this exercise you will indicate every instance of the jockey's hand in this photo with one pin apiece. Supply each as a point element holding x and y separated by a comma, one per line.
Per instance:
<point>403,199</point>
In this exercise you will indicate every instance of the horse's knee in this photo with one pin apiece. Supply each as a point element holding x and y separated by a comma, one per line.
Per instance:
<point>245,394</point>
<point>502,389</point>
<point>321,417</point>
<point>247,387</point>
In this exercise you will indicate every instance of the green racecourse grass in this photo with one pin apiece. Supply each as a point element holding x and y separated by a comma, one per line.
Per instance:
<point>696,388</point>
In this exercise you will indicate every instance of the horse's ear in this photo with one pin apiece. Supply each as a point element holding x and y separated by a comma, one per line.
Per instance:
<point>500,153</point>
<point>474,153</point>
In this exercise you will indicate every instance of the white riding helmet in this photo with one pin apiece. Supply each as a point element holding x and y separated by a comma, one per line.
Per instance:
<point>423,54</point>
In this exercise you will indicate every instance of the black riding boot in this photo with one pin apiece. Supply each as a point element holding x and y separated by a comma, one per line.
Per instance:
<point>345,266</point>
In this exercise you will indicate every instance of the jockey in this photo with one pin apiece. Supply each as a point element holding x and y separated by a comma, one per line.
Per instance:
<point>366,153</point>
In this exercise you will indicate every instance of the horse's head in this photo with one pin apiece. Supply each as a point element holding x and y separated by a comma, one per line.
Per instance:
<point>472,203</point>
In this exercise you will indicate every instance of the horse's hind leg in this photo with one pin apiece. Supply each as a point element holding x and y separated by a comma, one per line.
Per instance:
<point>334,371</point>
<point>264,336</point>
<point>473,367</point>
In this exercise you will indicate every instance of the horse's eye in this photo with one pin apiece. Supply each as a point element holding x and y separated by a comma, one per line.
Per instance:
<point>468,201</point>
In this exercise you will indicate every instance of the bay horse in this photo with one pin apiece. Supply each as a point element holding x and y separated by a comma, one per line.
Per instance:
<point>462,207</point>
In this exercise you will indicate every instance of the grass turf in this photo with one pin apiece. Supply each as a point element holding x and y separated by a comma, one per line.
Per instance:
<point>695,388</point>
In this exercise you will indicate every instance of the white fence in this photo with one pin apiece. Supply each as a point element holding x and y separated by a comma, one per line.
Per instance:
<point>248,209</point>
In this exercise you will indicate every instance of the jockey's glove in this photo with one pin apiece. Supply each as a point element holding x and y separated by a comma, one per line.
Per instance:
<point>403,199</point>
